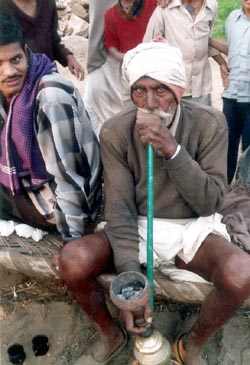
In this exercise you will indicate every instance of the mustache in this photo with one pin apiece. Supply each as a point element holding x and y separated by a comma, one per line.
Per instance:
<point>10,78</point>
<point>167,117</point>
<point>158,112</point>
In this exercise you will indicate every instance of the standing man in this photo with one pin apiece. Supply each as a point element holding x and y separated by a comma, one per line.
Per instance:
<point>96,50</point>
<point>190,175</point>
<point>39,22</point>
<point>186,24</point>
<point>50,171</point>
<point>236,96</point>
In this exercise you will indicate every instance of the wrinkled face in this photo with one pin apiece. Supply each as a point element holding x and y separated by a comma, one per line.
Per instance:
<point>13,69</point>
<point>152,95</point>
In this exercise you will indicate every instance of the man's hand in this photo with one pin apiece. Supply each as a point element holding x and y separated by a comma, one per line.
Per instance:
<point>152,130</point>
<point>224,72</point>
<point>130,320</point>
<point>163,3</point>
<point>75,67</point>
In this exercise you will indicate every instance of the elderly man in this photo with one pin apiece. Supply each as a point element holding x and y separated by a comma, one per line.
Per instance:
<point>50,170</point>
<point>190,172</point>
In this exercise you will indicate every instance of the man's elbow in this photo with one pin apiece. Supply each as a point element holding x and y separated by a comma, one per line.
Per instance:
<point>210,205</point>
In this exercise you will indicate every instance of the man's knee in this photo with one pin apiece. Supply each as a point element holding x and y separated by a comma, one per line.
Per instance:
<point>81,258</point>
<point>234,275</point>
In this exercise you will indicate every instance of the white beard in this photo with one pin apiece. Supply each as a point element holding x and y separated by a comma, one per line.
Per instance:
<point>166,117</point>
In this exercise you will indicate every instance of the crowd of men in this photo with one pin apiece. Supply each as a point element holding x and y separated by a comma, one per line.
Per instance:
<point>51,162</point>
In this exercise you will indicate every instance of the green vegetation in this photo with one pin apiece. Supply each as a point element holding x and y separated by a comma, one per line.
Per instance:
<point>224,9</point>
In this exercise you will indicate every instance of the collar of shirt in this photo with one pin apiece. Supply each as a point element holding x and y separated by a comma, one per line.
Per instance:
<point>240,14</point>
<point>211,4</point>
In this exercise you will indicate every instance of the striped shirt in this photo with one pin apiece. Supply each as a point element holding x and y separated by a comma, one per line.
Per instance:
<point>238,37</point>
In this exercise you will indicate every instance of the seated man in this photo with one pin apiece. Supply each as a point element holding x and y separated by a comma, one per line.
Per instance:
<point>50,170</point>
<point>190,174</point>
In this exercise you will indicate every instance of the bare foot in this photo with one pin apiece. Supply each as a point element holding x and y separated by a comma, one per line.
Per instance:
<point>106,345</point>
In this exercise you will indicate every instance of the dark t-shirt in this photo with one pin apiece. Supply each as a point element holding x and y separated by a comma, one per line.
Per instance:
<point>41,30</point>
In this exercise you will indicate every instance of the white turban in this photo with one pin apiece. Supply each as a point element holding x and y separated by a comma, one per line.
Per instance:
<point>157,60</point>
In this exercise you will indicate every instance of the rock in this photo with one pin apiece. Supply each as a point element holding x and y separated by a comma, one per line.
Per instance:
<point>80,11</point>
<point>77,26</point>
<point>61,13</point>
<point>85,4</point>
<point>79,2</point>
<point>77,45</point>
<point>62,24</point>
<point>61,4</point>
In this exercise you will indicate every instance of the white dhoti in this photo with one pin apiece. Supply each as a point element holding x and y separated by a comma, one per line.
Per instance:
<point>182,237</point>
<point>177,237</point>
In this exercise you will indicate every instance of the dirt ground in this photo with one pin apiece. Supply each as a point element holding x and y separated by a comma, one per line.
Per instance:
<point>31,307</point>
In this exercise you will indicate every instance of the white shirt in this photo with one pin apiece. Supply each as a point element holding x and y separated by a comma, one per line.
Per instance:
<point>190,35</point>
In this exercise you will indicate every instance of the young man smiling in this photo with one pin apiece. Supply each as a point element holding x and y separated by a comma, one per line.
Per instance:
<point>12,81</point>
<point>49,158</point>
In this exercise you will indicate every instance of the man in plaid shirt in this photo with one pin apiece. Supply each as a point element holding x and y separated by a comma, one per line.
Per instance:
<point>50,168</point>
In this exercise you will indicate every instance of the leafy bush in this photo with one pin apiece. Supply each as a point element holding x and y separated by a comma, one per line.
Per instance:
<point>225,7</point>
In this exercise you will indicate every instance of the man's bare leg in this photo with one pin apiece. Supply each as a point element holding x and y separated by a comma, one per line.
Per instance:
<point>228,267</point>
<point>80,261</point>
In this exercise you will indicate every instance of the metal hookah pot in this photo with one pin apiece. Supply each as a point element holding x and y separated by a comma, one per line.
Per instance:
<point>152,350</point>
<point>131,291</point>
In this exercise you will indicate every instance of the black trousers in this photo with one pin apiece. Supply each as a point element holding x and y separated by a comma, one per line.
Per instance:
<point>19,208</point>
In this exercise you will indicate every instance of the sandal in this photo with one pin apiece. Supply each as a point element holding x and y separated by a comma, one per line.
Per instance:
<point>178,351</point>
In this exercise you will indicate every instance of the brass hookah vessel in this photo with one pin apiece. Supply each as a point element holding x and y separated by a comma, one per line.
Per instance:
<point>131,291</point>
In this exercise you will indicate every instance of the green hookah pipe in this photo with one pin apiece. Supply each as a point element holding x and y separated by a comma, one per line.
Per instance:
<point>150,217</point>
<point>151,348</point>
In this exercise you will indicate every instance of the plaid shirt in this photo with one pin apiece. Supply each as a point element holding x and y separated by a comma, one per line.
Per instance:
<point>71,154</point>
